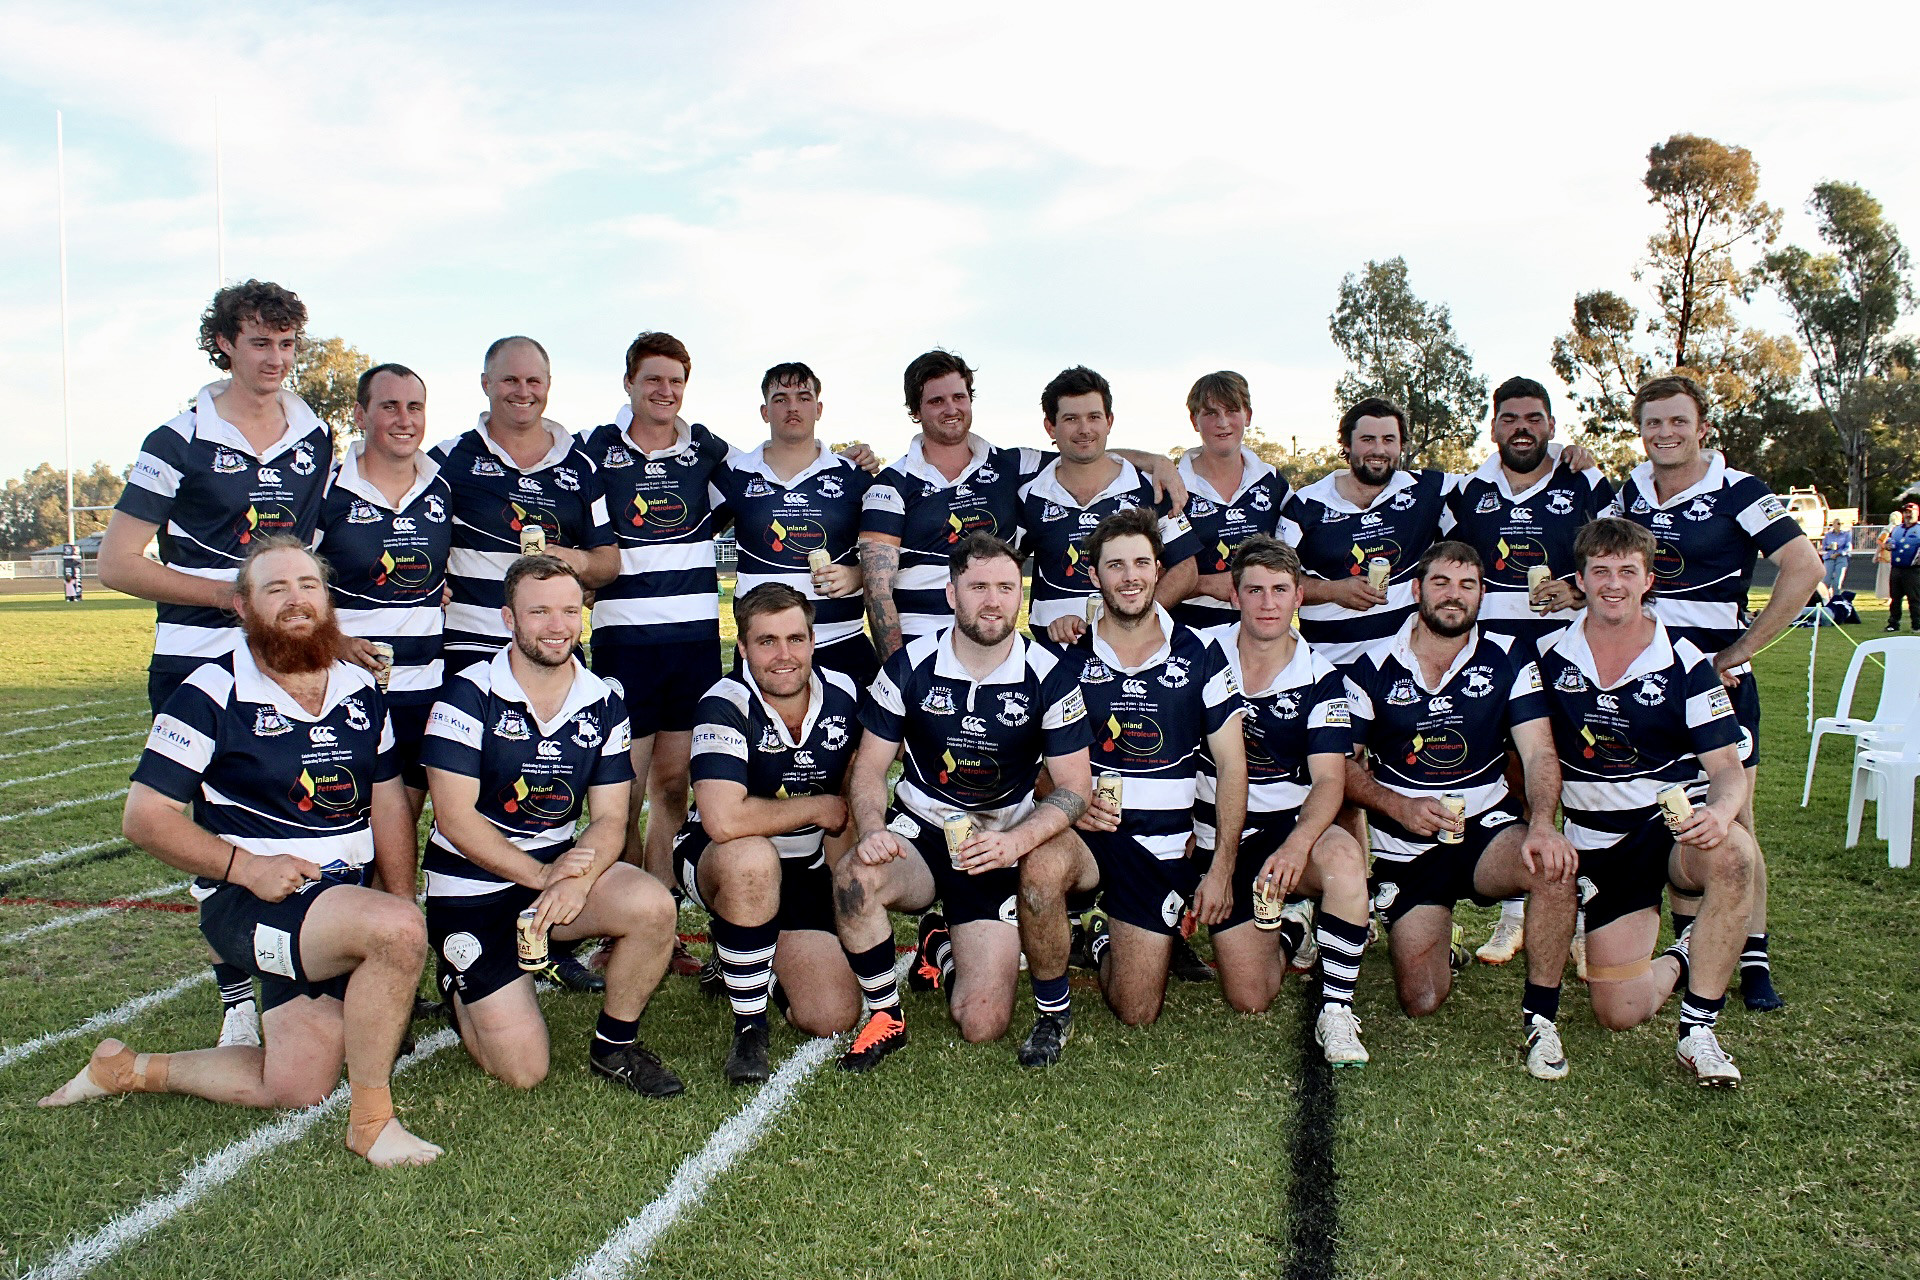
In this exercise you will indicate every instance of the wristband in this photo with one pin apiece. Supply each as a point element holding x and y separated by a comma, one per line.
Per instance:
<point>233,851</point>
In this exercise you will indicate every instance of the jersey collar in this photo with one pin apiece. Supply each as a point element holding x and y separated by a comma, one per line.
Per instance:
<point>682,434</point>
<point>1714,479</point>
<point>816,699</point>
<point>251,684</point>
<point>209,425</point>
<point>587,689</point>
<point>756,462</point>
<point>1297,673</point>
<point>914,462</point>
<point>1657,656</point>
<point>1104,651</point>
<point>1012,668</point>
<point>1253,469</point>
<point>1327,494</point>
<point>348,477</point>
<point>1496,475</point>
<point>562,444</point>
<point>1047,485</point>
<point>1403,650</point>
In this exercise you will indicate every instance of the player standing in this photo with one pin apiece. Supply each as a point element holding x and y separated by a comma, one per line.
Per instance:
<point>1233,494</point>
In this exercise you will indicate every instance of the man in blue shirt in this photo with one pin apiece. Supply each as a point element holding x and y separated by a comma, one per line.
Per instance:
<point>1903,580</point>
<point>1836,551</point>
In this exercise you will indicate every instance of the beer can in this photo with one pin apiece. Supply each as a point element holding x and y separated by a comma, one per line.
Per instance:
<point>1110,787</point>
<point>1093,610</point>
<point>533,539</point>
<point>819,560</point>
<point>530,942</point>
<point>1537,576</point>
<point>959,828</point>
<point>1675,807</point>
<point>385,672</point>
<point>1267,907</point>
<point>1457,806</point>
<point>1378,570</point>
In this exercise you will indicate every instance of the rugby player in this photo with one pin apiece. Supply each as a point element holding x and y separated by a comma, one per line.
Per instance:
<point>1710,523</point>
<point>1373,510</point>
<point>978,711</point>
<point>1637,709</point>
<point>385,529</point>
<point>1234,494</point>
<point>286,757</point>
<point>247,462</point>
<point>1434,713</point>
<point>949,484</point>
<point>771,749</point>
<point>1520,509</point>
<point>518,747</point>
<point>1298,737</point>
<point>1157,693</point>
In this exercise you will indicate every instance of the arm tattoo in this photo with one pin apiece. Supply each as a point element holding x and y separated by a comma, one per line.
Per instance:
<point>1068,802</point>
<point>880,563</point>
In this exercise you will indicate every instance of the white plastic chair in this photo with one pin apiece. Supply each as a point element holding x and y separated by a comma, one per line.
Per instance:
<point>1886,776</point>
<point>1899,691</point>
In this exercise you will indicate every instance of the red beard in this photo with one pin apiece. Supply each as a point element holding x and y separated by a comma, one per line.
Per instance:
<point>289,653</point>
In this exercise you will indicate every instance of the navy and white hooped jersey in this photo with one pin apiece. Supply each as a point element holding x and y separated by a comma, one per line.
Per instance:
<point>737,737</point>
<point>1302,713</point>
<point>975,746</point>
<point>910,500</point>
<point>1054,528</point>
<point>1706,540</point>
<point>779,522</point>
<point>1513,532</point>
<point>493,499</point>
<point>390,568</point>
<point>534,775</point>
<point>263,773</point>
<point>1150,726</point>
<point>666,508</point>
<point>199,480</point>
<point>1222,521</point>
<point>1622,744</point>
<point>1451,738</point>
<point>1336,540</point>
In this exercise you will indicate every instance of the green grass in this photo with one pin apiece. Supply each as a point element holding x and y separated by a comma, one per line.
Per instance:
<point>1157,1151</point>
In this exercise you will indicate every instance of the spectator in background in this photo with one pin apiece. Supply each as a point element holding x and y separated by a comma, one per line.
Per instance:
<point>1903,579</point>
<point>1836,551</point>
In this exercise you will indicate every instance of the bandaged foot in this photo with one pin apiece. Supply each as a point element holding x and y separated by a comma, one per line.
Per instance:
<point>113,1069</point>
<point>376,1134</point>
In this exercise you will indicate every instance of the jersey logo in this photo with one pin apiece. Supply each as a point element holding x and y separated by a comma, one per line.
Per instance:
<point>403,524</point>
<point>271,475</point>
<point>1570,681</point>
<point>1131,688</point>
<point>567,479</point>
<point>1088,519</point>
<point>547,750</point>
<point>1199,506</point>
<point>1488,502</point>
<point>1440,706</point>
<point>961,491</point>
<point>1404,500</point>
<point>1560,502</point>
<point>1522,514</point>
<point>461,950</point>
<point>1235,515</point>
<point>302,460</point>
<point>527,484</point>
<point>1479,682</point>
<point>1175,676</point>
<point>1287,705</point>
<point>487,467</point>
<point>617,456</point>
<point>833,732</point>
<point>362,513</point>
<point>1073,707</point>
<point>1640,506</point>
<point>1338,717</point>
<point>586,730</point>
<point>1663,519</point>
<point>1718,703</point>
<point>687,457</point>
<point>972,724</point>
<point>1260,500</point>
<point>757,488</point>
<point>268,723</point>
<point>1329,516</point>
<point>1402,694</point>
<point>1095,672</point>
<point>1700,508</point>
<point>512,726</point>
<point>1607,702</point>
<point>1652,691</point>
<point>939,701</point>
<point>1772,508</point>
<point>986,474</point>
<point>794,499</point>
<point>356,715</point>
<point>1013,710</point>
<point>803,759</point>
<point>770,739</point>
<point>321,735</point>
<point>830,487</point>
<point>1372,520</point>
<point>436,509</point>
<point>1052,511</point>
<point>226,462</point>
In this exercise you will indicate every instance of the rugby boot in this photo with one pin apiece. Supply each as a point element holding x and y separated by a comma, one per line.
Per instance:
<point>884,1032</point>
<point>638,1068</point>
<point>747,1060</point>
<point>1047,1040</point>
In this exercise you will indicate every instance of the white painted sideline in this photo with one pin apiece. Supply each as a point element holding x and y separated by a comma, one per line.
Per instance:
<point>74,744</point>
<point>52,856</point>
<point>61,773</point>
<point>76,706</point>
<point>91,913</point>
<point>101,1021</point>
<point>207,1175</point>
<point>46,809</point>
<point>67,724</point>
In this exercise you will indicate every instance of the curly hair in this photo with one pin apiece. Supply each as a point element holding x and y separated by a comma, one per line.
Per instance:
<point>274,307</point>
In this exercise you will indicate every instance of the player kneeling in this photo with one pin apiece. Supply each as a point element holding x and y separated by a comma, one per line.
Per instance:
<point>279,747</point>
<point>1653,792</point>
<point>517,749</point>
<point>771,746</point>
<point>1298,735</point>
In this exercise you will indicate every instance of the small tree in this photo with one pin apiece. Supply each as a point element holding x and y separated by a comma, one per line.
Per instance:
<point>1405,349</point>
<point>325,375</point>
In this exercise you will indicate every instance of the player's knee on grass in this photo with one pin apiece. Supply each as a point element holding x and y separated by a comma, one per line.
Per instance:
<point>823,1012</point>
<point>856,888</point>
<point>641,906</point>
<point>740,880</point>
<point>1248,993</point>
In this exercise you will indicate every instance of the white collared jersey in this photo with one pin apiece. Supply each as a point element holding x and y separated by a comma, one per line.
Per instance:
<point>1451,738</point>
<point>390,569</point>
<point>975,746</point>
<point>1221,522</point>
<point>778,523</point>
<point>910,500</point>
<point>262,773</point>
<point>199,480</point>
<point>1150,726</point>
<point>1337,539</point>
<point>1513,532</point>
<point>1302,713</point>
<point>738,738</point>
<point>534,776</point>
<point>1706,540</point>
<point>1054,528</point>
<point>666,508</point>
<point>1622,744</point>
<point>493,499</point>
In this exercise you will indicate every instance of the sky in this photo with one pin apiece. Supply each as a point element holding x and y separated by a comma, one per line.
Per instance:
<point>1155,191</point>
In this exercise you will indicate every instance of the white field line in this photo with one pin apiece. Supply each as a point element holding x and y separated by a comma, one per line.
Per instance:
<point>100,1021</point>
<point>52,856</point>
<point>91,913</point>
<point>76,706</point>
<point>56,807</point>
<point>61,773</point>
<point>66,724</point>
<point>208,1175</point>
<point>75,744</point>
<point>633,1242</point>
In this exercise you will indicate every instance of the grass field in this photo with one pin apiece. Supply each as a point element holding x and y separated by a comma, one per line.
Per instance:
<point>1199,1147</point>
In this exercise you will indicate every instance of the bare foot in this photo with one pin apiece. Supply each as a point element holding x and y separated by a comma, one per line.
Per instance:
<point>84,1087</point>
<point>395,1146</point>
